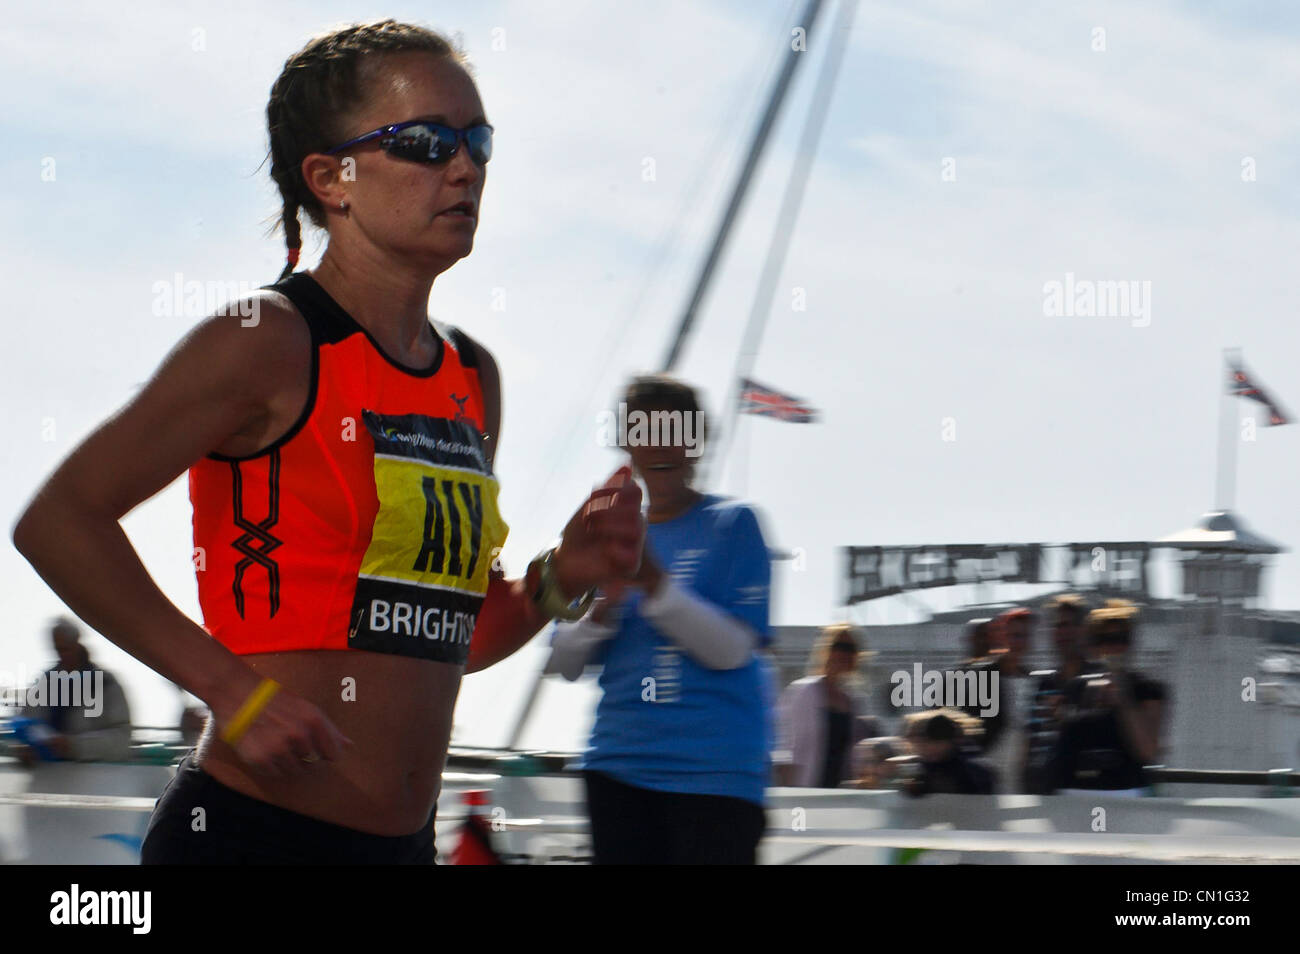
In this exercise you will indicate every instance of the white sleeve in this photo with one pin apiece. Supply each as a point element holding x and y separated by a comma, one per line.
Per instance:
<point>711,636</point>
<point>573,645</point>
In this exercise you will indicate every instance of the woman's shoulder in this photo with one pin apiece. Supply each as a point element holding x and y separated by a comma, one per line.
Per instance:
<point>254,339</point>
<point>731,512</point>
<point>805,686</point>
<point>721,503</point>
<point>265,317</point>
<point>471,352</point>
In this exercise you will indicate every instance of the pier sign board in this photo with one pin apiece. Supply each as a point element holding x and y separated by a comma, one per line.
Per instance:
<point>874,572</point>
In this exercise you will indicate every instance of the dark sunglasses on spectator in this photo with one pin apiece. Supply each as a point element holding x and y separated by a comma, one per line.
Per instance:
<point>844,647</point>
<point>427,142</point>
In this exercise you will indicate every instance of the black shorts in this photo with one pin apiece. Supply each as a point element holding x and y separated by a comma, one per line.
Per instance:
<point>639,826</point>
<point>238,829</point>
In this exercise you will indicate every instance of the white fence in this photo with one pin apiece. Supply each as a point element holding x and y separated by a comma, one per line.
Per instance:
<point>80,814</point>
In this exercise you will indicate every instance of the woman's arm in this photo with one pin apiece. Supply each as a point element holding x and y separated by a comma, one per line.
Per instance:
<point>509,619</point>
<point>722,634</point>
<point>574,644</point>
<point>1138,720</point>
<point>217,385</point>
<point>1140,723</point>
<point>712,637</point>
<point>601,543</point>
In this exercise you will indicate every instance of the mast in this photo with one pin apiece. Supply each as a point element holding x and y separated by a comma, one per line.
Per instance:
<point>783,231</point>
<point>1225,484</point>
<point>756,147</point>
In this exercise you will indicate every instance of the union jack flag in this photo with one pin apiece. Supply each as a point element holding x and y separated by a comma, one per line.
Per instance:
<point>1240,384</point>
<point>758,399</point>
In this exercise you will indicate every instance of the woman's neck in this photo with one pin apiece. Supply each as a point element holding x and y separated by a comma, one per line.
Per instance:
<point>389,302</point>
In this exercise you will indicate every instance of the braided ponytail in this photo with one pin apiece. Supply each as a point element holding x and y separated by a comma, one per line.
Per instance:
<point>318,88</point>
<point>292,236</point>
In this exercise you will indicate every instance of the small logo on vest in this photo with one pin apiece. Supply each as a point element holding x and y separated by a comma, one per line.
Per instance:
<point>460,407</point>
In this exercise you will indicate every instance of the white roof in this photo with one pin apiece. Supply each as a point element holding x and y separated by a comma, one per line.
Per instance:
<point>1220,530</point>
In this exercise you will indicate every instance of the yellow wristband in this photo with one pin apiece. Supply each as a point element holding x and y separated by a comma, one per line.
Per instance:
<point>249,711</point>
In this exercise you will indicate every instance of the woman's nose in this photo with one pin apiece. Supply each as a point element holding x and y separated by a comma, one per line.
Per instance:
<point>461,168</point>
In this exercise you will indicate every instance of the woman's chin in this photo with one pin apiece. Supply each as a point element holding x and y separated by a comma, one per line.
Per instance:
<point>443,250</point>
<point>664,485</point>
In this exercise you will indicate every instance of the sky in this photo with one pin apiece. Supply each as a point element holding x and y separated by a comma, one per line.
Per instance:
<point>974,153</point>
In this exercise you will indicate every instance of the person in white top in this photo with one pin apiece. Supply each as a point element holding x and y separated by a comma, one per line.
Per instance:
<point>822,716</point>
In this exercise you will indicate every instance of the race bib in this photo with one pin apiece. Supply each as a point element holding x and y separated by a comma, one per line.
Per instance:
<point>435,537</point>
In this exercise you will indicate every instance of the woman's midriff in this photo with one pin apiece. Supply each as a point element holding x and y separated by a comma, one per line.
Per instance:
<point>397,711</point>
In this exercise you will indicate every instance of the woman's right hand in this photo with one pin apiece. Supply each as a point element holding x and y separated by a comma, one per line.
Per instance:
<point>287,737</point>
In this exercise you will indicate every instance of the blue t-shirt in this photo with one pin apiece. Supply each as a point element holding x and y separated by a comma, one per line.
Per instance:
<point>666,722</point>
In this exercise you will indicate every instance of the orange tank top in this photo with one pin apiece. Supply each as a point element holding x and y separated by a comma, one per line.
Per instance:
<point>372,524</point>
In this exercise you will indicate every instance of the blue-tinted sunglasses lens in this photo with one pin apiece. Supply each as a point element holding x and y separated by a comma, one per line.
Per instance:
<point>436,144</point>
<point>479,139</point>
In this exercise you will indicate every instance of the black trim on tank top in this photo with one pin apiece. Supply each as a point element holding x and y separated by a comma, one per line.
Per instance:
<point>338,324</point>
<point>315,332</point>
<point>464,349</point>
<point>329,323</point>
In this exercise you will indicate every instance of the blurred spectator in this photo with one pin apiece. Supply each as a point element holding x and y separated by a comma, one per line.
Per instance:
<point>1112,717</point>
<point>823,715</point>
<point>678,775</point>
<point>872,767</point>
<point>940,739</point>
<point>1067,615</point>
<point>1004,737</point>
<point>76,710</point>
<point>979,644</point>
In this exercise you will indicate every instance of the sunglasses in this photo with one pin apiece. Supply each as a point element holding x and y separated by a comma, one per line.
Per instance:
<point>430,143</point>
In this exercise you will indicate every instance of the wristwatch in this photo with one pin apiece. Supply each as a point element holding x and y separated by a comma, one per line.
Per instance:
<point>546,593</point>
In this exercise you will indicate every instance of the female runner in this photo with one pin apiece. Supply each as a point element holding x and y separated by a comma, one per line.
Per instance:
<point>340,457</point>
